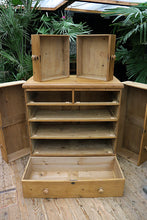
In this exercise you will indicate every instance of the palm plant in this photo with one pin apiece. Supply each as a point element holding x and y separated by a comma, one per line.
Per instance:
<point>15,28</point>
<point>64,25</point>
<point>53,24</point>
<point>130,24</point>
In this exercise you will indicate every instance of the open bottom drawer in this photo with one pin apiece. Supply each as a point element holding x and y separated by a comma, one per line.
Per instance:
<point>61,177</point>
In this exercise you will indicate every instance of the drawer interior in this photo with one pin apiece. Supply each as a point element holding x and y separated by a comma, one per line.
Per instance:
<point>53,49</point>
<point>92,53</point>
<point>72,168</point>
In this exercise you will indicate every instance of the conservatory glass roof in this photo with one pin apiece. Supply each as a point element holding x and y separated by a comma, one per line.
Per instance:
<point>86,5</point>
<point>51,4</point>
<point>96,6</point>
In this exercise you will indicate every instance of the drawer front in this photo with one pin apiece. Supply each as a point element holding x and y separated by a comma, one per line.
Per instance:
<point>73,189</point>
<point>63,177</point>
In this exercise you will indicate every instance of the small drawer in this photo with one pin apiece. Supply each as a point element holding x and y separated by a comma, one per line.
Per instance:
<point>96,56</point>
<point>63,177</point>
<point>50,56</point>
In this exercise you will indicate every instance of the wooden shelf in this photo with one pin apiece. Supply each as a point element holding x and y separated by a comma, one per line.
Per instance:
<point>97,103</point>
<point>48,103</point>
<point>72,148</point>
<point>129,155</point>
<point>73,131</point>
<point>73,115</point>
<point>70,103</point>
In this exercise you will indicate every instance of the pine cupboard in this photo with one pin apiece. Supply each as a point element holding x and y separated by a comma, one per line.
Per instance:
<point>73,128</point>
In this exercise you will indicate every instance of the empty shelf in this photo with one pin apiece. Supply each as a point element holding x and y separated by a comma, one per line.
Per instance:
<point>73,115</point>
<point>72,147</point>
<point>73,131</point>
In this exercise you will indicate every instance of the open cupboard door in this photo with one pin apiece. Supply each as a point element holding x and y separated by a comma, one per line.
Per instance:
<point>132,137</point>
<point>143,148</point>
<point>13,131</point>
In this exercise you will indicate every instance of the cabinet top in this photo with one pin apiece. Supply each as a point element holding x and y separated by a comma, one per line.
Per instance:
<point>73,82</point>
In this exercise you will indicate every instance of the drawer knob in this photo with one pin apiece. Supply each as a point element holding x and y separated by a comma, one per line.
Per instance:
<point>113,57</point>
<point>45,191</point>
<point>145,147</point>
<point>100,190</point>
<point>34,57</point>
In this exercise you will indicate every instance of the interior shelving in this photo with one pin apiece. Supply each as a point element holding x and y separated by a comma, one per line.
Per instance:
<point>73,122</point>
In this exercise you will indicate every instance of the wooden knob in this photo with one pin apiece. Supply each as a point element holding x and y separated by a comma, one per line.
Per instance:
<point>34,57</point>
<point>100,190</point>
<point>113,57</point>
<point>145,147</point>
<point>45,191</point>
